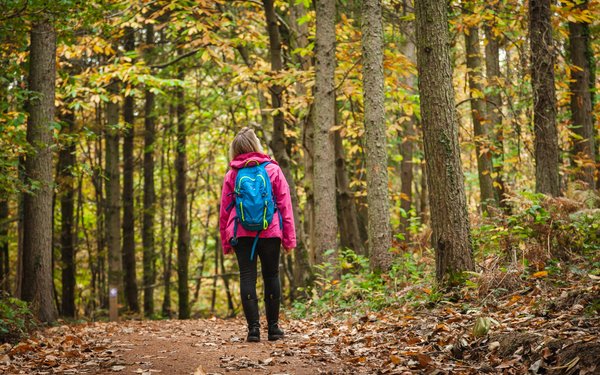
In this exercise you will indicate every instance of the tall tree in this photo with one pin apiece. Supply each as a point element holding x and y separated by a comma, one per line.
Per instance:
<point>408,133</point>
<point>494,107</point>
<point>584,148</point>
<point>481,131</point>
<point>326,225</point>
<point>130,280</point>
<point>37,286</point>
<point>299,39</point>
<point>183,235</point>
<point>377,177</point>
<point>448,207</point>
<point>4,261</point>
<point>346,205</point>
<point>148,242</point>
<point>66,163</point>
<point>113,202</point>
<point>278,140</point>
<point>544,98</point>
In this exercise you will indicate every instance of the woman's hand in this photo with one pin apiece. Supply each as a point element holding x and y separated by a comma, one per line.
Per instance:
<point>288,251</point>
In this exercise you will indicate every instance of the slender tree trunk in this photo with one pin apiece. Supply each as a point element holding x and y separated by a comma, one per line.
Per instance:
<point>302,261</point>
<point>408,135</point>
<point>584,148</point>
<point>449,217</point>
<point>149,193</point>
<point>130,280</point>
<point>278,141</point>
<point>168,257</point>
<point>480,124</point>
<point>4,269</point>
<point>98,284</point>
<point>37,243</point>
<point>494,112</point>
<point>66,162</point>
<point>20,231</point>
<point>544,98</point>
<point>376,144</point>
<point>346,206</point>
<point>113,205</point>
<point>326,226</point>
<point>183,235</point>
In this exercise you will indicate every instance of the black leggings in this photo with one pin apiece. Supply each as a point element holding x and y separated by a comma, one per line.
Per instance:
<point>268,250</point>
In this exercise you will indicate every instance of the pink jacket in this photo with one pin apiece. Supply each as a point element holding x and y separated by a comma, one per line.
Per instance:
<point>281,193</point>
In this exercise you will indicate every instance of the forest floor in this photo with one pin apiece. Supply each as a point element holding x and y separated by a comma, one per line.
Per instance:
<point>543,325</point>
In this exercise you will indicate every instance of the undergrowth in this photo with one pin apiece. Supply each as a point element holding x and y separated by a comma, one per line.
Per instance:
<point>542,237</point>
<point>16,320</point>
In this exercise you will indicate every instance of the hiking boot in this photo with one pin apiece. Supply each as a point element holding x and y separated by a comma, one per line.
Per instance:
<point>253,332</point>
<point>252,318</point>
<point>272,310</point>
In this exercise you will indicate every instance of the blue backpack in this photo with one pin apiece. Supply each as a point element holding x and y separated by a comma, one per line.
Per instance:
<point>254,203</point>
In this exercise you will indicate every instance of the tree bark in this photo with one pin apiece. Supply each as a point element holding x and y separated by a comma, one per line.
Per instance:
<point>113,204</point>
<point>37,241</point>
<point>183,235</point>
<point>379,227</point>
<point>278,140</point>
<point>4,265</point>
<point>130,280</point>
<point>299,39</point>
<point>408,133</point>
<point>66,162</point>
<point>148,241</point>
<point>544,98</point>
<point>451,237</point>
<point>481,131</point>
<point>346,206</point>
<point>584,148</point>
<point>494,112</point>
<point>324,150</point>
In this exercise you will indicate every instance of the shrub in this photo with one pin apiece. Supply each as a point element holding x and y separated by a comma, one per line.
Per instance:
<point>16,320</point>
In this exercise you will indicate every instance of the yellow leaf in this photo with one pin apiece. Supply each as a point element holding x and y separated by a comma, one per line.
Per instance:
<point>540,274</point>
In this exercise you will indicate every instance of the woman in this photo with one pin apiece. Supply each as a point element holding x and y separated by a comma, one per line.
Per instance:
<point>246,153</point>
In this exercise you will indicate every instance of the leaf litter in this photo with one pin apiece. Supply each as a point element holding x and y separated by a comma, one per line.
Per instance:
<point>543,327</point>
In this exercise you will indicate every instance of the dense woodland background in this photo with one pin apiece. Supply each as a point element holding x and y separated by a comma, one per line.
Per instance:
<point>431,129</point>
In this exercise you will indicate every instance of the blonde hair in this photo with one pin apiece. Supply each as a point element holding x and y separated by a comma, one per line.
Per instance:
<point>244,142</point>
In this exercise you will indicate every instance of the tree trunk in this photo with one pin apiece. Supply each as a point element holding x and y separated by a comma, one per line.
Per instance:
<point>346,206</point>
<point>378,200</point>
<point>183,235</point>
<point>544,98</point>
<point>451,237</point>
<point>408,136</point>
<point>278,141</point>
<point>4,269</point>
<point>113,205</point>
<point>299,39</point>
<point>168,254</point>
<point>481,131</point>
<point>149,193</point>
<point>584,148</point>
<point>324,150</point>
<point>98,274</point>
<point>494,113</point>
<point>66,162</point>
<point>37,241</point>
<point>130,280</point>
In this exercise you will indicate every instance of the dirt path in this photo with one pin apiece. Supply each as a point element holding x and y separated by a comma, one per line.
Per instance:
<point>541,329</point>
<point>203,347</point>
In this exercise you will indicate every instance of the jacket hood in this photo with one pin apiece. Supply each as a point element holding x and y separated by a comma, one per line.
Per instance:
<point>241,160</point>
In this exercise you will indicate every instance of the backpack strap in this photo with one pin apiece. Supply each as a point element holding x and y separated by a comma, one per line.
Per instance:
<point>234,240</point>
<point>254,245</point>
